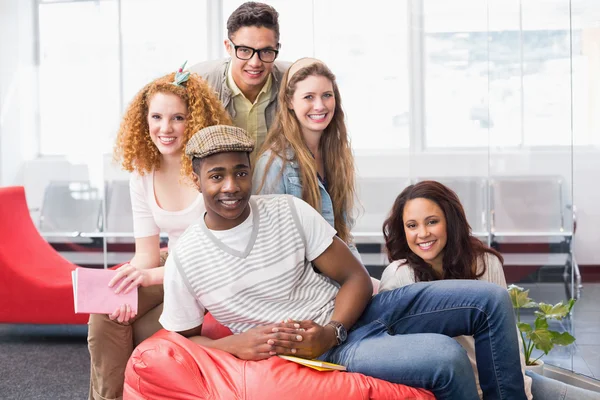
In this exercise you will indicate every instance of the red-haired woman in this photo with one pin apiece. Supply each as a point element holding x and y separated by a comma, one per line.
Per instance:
<point>157,125</point>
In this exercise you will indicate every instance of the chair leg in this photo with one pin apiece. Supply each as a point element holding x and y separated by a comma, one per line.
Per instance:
<point>578,286</point>
<point>567,276</point>
<point>572,278</point>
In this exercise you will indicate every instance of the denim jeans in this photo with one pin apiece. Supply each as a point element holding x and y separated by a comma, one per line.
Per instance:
<point>405,336</point>
<point>545,388</point>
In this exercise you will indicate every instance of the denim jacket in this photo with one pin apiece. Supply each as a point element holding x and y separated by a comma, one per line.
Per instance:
<point>288,182</point>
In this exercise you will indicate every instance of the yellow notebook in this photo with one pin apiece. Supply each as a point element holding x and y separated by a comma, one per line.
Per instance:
<point>315,364</point>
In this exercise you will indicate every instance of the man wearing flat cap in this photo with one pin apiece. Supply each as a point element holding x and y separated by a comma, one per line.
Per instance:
<point>249,262</point>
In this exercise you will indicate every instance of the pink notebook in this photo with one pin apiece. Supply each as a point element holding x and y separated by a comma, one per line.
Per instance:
<point>93,296</point>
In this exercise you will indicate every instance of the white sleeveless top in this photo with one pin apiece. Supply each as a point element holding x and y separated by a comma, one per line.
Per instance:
<point>149,219</point>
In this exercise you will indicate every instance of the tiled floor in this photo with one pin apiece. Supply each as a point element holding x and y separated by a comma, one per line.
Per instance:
<point>583,356</point>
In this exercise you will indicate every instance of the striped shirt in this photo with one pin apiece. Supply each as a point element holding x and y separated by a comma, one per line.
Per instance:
<point>269,280</point>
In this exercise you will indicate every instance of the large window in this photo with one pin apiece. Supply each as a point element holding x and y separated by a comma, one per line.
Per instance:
<point>79,77</point>
<point>94,57</point>
<point>455,74</point>
<point>158,36</point>
<point>503,73</point>
<point>465,74</point>
<point>367,49</point>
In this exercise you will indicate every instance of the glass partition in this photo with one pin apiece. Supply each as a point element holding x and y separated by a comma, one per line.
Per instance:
<point>500,83</point>
<point>79,103</point>
<point>531,153</point>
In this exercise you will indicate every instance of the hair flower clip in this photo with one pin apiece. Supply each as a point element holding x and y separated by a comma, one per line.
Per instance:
<point>180,76</point>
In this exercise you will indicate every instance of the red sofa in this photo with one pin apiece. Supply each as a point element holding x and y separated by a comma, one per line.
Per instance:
<point>169,366</point>
<point>35,281</point>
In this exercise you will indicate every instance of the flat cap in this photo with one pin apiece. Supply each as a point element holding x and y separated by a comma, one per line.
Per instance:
<point>218,139</point>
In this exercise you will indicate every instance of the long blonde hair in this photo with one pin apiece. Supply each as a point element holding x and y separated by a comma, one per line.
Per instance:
<point>334,146</point>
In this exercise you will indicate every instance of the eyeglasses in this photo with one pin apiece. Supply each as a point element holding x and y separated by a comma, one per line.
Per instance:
<point>267,54</point>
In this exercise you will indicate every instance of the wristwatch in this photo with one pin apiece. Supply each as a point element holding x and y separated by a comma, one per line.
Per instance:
<point>340,332</point>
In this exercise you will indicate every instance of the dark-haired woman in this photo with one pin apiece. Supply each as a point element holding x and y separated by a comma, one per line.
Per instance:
<point>428,238</point>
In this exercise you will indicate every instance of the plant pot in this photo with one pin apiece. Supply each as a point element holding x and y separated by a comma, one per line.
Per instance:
<point>538,367</point>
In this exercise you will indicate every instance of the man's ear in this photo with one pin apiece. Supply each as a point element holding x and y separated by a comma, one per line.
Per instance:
<point>227,44</point>
<point>196,180</point>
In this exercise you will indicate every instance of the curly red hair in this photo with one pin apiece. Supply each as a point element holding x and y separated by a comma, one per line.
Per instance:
<point>134,148</point>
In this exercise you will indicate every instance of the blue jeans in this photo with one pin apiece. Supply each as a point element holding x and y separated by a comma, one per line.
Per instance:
<point>544,388</point>
<point>404,336</point>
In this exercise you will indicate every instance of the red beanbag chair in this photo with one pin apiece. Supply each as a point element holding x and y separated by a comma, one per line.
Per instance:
<point>169,366</point>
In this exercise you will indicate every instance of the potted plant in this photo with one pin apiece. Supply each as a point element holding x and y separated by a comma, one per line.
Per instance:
<point>538,335</point>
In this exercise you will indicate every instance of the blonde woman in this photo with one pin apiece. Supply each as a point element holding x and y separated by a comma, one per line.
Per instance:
<point>307,152</point>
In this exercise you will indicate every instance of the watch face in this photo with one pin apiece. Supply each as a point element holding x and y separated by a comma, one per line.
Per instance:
<point>343,334</point>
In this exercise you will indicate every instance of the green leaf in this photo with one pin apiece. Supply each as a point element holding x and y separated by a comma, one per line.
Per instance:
<point>541,323</point>
<point>542,340</point>
<point>570,304</point>
<point>562,339</point>
<point>557,311</point>
<point>520,297</point>
<point>515,287</point>
<point>538,335</point>
<point>524,327</point>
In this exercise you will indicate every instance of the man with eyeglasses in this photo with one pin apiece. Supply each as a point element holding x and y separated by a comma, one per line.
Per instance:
<point>247,83</point>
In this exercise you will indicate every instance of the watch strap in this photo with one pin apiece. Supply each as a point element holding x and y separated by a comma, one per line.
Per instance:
<point>338,327</point>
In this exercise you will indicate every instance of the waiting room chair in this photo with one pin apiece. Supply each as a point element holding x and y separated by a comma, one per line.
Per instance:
<point>536,209</point>
<point>377,195</point>
<point>119,216</point>
<point>69,208</point>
